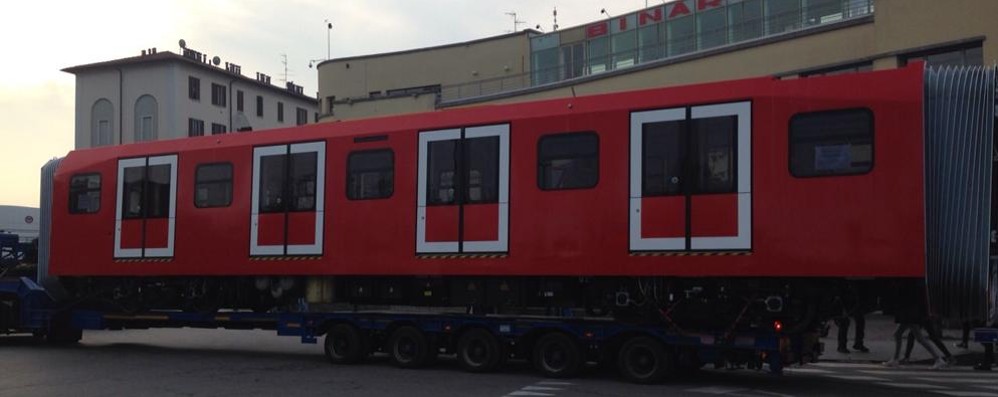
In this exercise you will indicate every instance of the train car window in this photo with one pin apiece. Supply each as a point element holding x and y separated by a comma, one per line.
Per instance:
<point>370,174</point>
<point>272,175</point>
<point>442,168</point>
<point>482,179</point>
<point>157,191</point>
<point>84,194</point>
<point>663,158</point>
<point>568,161</point>
<point>213,185</point>
<point>303,174</point>
<point>131,199</point>
<point>830,143</point>
<point>715,151</point>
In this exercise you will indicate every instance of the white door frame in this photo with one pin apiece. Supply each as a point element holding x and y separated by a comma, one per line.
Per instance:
<point>501,244</point>
<point>120,252</point>
<point>315,248</point>
<point>743,240</point>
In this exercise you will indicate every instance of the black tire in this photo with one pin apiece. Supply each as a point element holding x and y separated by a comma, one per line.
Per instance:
<point>408,347</point>
<point>645,360</point>
<point>557,355</point>
<point>345,344</point>
<point>478,350</point>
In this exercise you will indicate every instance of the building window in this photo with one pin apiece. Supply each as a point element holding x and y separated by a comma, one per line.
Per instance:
<point>712,28</point>
<point>682,35</point>
<point>745,20</point>
<point>217,129</point>
<point>568,161</point>
<point>146,114</point>
<point>239,100</point>
<point>259,106</point>
<point>301,116</point>
<point>84,194</point>
<point>213,185</point>
<point>573,60</point>
<point>218,94</point>
<point>102,123</point>
<point>370,174</point>
<point>651,42</point>
<point>970,55</point>
<point>194,88</point>
<point>329,104</point>
<point>838,142</point>
<point>624,49</point>
<point>782,16</point>
<point>280,111</point>
<point>195,127</point>
<point>599,55</point>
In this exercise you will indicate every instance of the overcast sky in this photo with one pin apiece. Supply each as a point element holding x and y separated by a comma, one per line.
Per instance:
<point>39,38</point>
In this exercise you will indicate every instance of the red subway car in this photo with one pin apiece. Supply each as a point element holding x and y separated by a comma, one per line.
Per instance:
<point>733,184</point>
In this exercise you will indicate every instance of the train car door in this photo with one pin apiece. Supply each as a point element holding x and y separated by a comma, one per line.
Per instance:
<point>463,190</point>
<point>145,217</point>
<point>691,178</point>
<point>288,199</point>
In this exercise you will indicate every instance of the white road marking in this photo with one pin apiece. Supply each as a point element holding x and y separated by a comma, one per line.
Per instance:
<point>925,373</point>
<point>551,382</point>
<point>967,393</point>
<point>912,385</point>
<point>846,365</point>
<point>808,371</point>
<point>528,393</point>
<point>541,388</point>
<point>859,377</point>
<point>955,380</point>
<point>716,390</point>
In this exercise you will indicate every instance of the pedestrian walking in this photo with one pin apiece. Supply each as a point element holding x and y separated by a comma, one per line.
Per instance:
<point>909,314</point>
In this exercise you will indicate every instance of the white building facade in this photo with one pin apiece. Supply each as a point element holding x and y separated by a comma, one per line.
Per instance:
<point>162,95</point>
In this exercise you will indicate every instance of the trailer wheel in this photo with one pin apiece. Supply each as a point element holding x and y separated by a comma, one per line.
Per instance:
<point>345,345</point>
<point>408,347</point>
<point>478,350</point>
<point>644,360</point>
<point>557,355</point>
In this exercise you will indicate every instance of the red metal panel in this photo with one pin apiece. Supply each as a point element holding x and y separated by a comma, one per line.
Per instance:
<point>271,229</point>
<point>663,216</point>
<point>301,228</point>
<point>441,223</point>
<point>131,233</point>
<point>481,222</point>
<point>157,232</point>
<point>714,215</point>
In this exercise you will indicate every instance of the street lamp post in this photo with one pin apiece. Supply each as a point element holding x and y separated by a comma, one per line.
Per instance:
<point>329,28</point>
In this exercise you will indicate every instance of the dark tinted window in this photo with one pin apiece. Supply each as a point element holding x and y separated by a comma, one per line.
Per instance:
<point>831,143</point>
<point>84,194</point>
<point>441,168</point>
<point>568,161</point>
<point>218,94</point>
<point>663,158</point>
<point>194,88</point>
<point>213,185</point>
<point>303,177</point>
<point>158,191</point>
<point>272,175</point>
<point>259,106</point>
<point>131,199</point>
<point>482,159</point>
<point>715,154</point>
<point>370,174</point>
<point>239,100</point>
<point>280,111</point>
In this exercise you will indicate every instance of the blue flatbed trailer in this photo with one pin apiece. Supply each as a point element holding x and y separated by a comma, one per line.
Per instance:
<point>34,312</point>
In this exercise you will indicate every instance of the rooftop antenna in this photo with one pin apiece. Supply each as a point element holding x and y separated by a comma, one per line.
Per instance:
<point>555,13</point>
<point>284,61</point>
<point>516,22</point>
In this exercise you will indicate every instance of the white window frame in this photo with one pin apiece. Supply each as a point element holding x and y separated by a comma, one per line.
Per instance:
<point>167,252</point>
<point>315,248</point>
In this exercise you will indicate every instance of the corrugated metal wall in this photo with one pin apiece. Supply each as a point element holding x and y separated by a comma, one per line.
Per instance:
<point>959,134</point>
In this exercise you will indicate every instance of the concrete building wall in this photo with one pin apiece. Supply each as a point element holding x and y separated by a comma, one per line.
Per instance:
<point>355,79</point>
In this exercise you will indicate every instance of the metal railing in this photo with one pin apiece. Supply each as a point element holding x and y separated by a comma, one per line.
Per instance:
<point>826,13</point>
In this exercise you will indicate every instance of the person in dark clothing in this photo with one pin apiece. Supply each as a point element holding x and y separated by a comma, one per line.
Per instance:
<point>989,355</point>
<point>965,336</point>
<point>933,329</point>
<point>909,314</point>
<point>851,304</point>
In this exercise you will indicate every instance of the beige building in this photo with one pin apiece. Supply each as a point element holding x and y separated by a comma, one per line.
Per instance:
<point>679,42</point>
